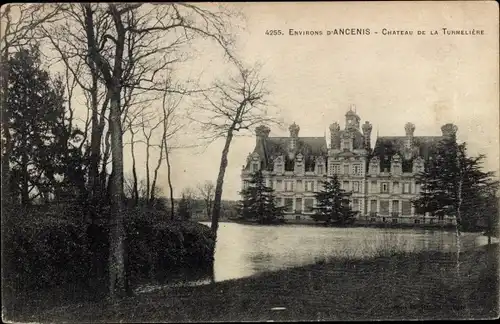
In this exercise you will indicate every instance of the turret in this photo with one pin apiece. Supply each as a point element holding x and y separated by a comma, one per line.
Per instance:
<point>351,120</point>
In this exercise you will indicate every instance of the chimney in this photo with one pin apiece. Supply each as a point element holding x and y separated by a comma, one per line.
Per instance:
<point>294,133</point>
<point>367,131</point>
<point>449,131</point>
<point>335,136</point>
<point>294,130</point>
<point>261,133</point>
<point>409,130</point>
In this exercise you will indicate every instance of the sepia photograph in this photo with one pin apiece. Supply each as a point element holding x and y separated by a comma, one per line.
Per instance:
<point>250,162</point>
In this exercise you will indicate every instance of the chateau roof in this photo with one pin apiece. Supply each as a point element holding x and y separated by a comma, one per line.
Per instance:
<point>271,147</point>
<point>387,146</point>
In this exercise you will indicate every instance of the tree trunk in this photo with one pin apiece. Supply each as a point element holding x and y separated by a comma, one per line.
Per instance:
<point>95,152</point>
<point>117,230</point>
<point>147,169</point>
<point>105,158</point>
<point>7,144</point>
<point>208,203</point>
<point>96,188</point>
<point>153,185</point>
<point>220,183</point>
<point>135,189</point>
<point>24,180</point>
<point>169,179</point>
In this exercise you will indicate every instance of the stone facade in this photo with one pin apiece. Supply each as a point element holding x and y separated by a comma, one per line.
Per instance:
<point>382,179</point>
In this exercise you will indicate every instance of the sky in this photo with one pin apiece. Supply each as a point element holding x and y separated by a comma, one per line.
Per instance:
<point>429,80</point>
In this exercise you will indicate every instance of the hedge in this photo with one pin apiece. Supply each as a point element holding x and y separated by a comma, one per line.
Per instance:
<point>55,247</point>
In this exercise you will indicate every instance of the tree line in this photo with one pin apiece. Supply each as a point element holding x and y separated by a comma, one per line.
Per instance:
<point>118,60</point>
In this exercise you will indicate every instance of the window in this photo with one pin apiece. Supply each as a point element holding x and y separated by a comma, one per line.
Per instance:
<point>384,187</point>
<point>320,169</point>
<point>373,206</point>
<point>355,186</point>
<point>336,169</point>
<point>345,185</point>
<point>406,188</point>
<point>299,186</point>
<point>298,205</point>
<point>293,142</point>
<point>279,184</point>
<point>395,208</point>
<point>384,207</point>
<point>357,169</point>
<point>395,187</point>
<point>289,185</point>
<point>355,204</point>
<point>394,220</point>
<point>270,183</point>
<point>346,169</point>
<point>246,184</point>
<point>417,188</point>
<point>346,145</point>
<point>417,221</point>
<point>406,207</point>
<point>278,167</point>
<point>309,185</point>
<point>255,167</point>
<point>308,205</point>
<point>289,205</point>
<point>374,186</point>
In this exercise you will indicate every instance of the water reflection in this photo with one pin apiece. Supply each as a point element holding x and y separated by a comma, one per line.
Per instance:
<point>245,250</point>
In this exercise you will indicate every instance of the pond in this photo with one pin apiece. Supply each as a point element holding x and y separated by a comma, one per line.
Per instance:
<point>245,250</point>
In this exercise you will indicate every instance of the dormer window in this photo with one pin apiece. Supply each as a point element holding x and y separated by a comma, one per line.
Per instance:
<point>346,145</point>
<point>278,164</point>
<point>293,143</point>
<point>255,166</point>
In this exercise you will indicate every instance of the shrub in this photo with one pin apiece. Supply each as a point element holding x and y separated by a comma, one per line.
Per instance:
<point>45,251</point>
<point>156,247</point>
<point>48,247</point>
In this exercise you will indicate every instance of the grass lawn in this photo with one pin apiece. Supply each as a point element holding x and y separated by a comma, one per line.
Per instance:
<point>403,286</point>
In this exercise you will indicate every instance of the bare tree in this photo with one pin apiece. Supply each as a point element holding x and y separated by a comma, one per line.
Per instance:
<point>239,104</point>
<point>147,131</point>
<point>171,126</point>
<point>206,191</point>
<point>138,46</point>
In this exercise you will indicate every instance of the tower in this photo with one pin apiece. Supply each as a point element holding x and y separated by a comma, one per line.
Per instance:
<point>352,119</point>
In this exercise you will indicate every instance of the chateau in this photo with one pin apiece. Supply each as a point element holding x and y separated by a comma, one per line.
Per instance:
<point>381,179</point>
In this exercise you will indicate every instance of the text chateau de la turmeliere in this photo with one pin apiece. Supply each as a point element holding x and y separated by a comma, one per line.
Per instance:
<point>382,179</point>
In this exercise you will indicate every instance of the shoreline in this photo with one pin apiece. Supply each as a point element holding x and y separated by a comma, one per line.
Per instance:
<point>400,286</point>
<point>444,227</point>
